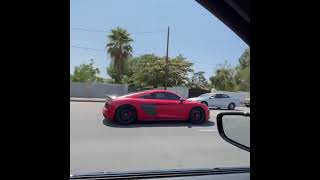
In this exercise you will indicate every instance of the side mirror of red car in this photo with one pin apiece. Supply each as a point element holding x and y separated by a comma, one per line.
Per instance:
<point>181,100</point>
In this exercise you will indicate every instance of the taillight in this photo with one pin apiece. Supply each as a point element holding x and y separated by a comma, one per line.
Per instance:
<point>107,105</point>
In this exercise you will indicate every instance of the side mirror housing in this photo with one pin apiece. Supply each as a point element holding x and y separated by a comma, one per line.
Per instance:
<point>234,127</point>
<point>181,100</point>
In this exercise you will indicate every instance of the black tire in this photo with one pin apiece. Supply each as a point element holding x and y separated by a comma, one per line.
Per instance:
<point>196,115</point>
<point>231,106</point>
<point>126,114</point>
<point>205,103</point>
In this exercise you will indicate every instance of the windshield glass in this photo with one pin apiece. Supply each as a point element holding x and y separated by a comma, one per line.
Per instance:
<point>124,47</point>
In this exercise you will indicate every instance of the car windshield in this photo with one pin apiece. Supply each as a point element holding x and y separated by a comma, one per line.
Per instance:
<point>120,48</point>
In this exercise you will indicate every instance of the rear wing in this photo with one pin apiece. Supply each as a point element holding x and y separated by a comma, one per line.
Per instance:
<point>109,99</point>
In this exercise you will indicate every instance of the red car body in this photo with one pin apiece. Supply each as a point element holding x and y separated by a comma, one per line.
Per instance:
<point>153,109</point>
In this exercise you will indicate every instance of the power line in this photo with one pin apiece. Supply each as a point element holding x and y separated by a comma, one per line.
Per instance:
<point>94,49</point>
<point>138,54</point>
<point>88,30</point>
<point>103,31</point>
<point>87,48</point>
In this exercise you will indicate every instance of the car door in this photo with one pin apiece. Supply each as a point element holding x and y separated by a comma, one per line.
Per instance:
<point>218,101</point>
<point>211,101</point>
<point>225,100</point>
<point>147,108</point>
<point>168,106</point>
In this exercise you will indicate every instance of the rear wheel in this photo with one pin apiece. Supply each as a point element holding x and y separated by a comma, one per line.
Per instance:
<point>126,114</point>
<point>231,106</point>
<point>196,115</point>
<point>205,103</point>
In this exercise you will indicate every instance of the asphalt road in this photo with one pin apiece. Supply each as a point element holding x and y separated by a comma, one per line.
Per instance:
<point>98,145</point>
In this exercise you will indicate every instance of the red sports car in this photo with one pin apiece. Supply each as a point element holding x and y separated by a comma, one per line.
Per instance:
<point>154,105</point>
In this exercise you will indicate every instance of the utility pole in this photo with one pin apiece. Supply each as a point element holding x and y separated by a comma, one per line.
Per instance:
<point>166,70</point>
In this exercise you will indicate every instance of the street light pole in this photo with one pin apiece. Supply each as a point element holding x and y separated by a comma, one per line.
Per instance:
<point>166,69</point>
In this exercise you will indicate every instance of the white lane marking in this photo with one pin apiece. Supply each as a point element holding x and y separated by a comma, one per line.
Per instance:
<point>208,130</point>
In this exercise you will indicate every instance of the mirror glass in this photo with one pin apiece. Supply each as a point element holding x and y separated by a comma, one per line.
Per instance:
<point>237,128</point>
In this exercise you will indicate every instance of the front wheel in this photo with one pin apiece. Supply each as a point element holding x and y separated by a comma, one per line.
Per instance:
<point>196,115</point>
<point>126,114</point>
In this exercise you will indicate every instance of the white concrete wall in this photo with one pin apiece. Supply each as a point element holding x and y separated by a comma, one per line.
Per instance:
<point>180,90</point>
<point>96,90</point>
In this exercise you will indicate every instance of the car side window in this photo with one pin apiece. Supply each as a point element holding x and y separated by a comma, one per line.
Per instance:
<point>165,96</point>
<point>146,96</point>
<point>225,96</point>
<point>158,95</point>
<point>171,96</point>
<point>218,96</point>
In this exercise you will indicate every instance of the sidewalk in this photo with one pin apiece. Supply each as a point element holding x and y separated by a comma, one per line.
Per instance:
<point>78,99</point>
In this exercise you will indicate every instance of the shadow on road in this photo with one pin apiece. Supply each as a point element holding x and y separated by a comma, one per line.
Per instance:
<point>156,124</point>
<point>225,109</point>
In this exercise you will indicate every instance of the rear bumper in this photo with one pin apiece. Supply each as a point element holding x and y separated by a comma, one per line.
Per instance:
<point>108,113</point>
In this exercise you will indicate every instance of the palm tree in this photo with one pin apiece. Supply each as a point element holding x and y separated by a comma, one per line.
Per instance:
<point>120,51</point>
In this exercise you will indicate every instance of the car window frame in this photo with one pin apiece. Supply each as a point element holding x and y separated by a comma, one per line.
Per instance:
<point>218,96</point>
<point>154,97</point>
<point>226,96</point>
<point>151,97</point>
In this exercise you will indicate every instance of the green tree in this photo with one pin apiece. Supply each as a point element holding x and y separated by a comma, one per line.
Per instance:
<point>149,70</point>
<point>233,79</point>
<point>243,72</point>
<point>178,70</point>
<point>86,73</point>
<point>223,79</point>
<point>109,80</point>
<point>198,81</point>
<point>120,51</point>
<point>128,71</point>
<point>244,59</point>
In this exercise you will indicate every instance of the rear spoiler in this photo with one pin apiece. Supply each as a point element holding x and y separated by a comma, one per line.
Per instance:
<point>109,98</point>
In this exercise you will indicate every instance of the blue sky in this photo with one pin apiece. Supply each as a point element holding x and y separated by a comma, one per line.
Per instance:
<point>194,32</point>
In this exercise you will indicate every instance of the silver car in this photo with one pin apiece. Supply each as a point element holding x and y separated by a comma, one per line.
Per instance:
<point>217,100</point>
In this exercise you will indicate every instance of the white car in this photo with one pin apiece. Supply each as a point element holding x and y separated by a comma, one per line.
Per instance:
<point>217,100</point>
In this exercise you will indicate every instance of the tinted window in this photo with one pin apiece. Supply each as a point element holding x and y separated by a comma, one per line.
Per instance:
<point>146,96</point>
<point>171,96</point>
<point>218,96</point>
<point>222,96</point>
<point>225,96</point>
<point>166,96</point>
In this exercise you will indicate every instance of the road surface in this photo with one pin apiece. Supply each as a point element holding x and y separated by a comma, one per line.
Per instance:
<point>98,145</point>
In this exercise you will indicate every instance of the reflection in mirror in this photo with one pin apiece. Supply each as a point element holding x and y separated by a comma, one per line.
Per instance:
<point>237,128</point>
